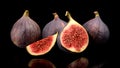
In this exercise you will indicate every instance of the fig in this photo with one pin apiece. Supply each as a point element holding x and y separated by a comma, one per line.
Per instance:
<point>79,63</point>
<point>74,37</point>
<point>42,46</point>
<point>97,29</point>
<point>40,63</point>
<point>55,25</point>
<point>25,31</point>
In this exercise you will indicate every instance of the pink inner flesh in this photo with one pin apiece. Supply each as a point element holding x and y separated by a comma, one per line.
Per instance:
<point>41,45</point>
<point>75,37</point>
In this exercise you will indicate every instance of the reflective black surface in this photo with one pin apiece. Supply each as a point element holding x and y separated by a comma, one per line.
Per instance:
<point>99,56</point>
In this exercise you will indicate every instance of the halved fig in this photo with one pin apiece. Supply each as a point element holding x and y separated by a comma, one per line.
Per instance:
<point>42,46</point>
<point>73,37</point>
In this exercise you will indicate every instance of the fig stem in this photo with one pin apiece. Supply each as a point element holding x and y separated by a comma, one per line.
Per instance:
<point>55,15</point>
<point>26,13</point>
<point>68,15</point>
<point>96,13</point>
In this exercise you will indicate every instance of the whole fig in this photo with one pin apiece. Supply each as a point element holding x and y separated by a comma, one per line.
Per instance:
<point>55,25</point>
<point>97,29</point>
<point>25,31</point>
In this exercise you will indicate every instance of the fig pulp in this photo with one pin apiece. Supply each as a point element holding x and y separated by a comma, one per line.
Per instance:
<point>79,63</point>
<point>40,63</point>
<point>55,25</point>
<point>97,29</point>
<point>74,36</point>
<point>25,31</point>
<point>42,46</point>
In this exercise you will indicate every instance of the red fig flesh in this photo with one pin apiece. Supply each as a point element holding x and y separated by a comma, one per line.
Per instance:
<point>42,46</point>
<point>97,29</point>
<point>25,31</point>
<point>74,37</point>
<point>40,63</point>
<point>55,25</point>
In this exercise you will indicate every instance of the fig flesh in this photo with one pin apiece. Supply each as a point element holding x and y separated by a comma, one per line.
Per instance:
<point>42,46</point>
<point>55,25</point>
<point>97,29</point>
<point>79,63</point>
<point>73,37</point>
<point>25,31</point>
<point>40,63</point>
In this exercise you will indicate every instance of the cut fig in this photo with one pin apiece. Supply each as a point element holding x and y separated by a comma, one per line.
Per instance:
<point>25,31</point>
<point>55,25</point>
<point>79,63</point>
<point>42,46</point>
<point>97,29</point>
<point>40,63</point>
<point>73,37</point>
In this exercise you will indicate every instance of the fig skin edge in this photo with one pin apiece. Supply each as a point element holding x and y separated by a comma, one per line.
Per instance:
<point>44,52</point>
<point>73,22</point>
<point>107,29</point>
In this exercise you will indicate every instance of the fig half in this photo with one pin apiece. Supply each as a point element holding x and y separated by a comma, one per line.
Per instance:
<point>25,31</point>
<point>73,37</point>
<point>97,29</point>
<point>42,46</point>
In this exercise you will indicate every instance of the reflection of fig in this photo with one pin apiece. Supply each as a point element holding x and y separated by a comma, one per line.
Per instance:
<point>40,63</point>
<point>42,46</point>
<point>97,29</point>
<point>100,65</point>
<point>25,31</point>
<point>79,63</point>
<point>73,37</point>
<point>53,26</point>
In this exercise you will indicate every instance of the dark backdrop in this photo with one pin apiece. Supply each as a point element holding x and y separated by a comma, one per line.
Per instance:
<point>41,12</point>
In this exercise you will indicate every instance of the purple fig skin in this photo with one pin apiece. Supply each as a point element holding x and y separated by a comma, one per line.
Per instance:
<point>55,25</point>
<point>97,29</point>
<point>25,31</point>
<point>60,45</point>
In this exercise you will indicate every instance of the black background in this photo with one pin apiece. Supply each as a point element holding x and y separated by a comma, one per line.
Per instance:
<point>41,12</point>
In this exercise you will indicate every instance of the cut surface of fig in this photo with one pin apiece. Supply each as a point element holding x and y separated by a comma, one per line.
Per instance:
<point>97,29</point>
<point>40,63</point>
<point>42,46</point>
<point>25,31</point>
<point>53,26</point>
<point>74,37</point>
